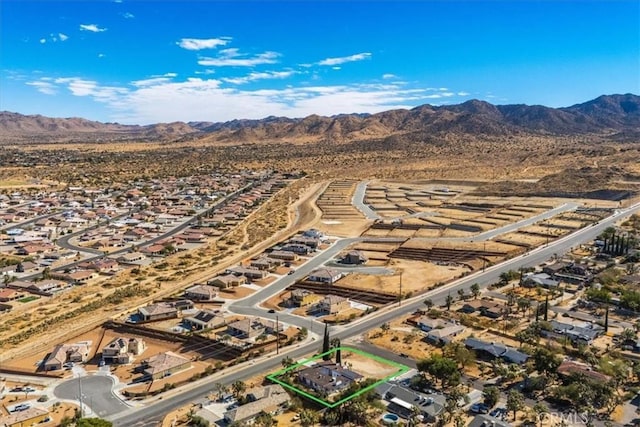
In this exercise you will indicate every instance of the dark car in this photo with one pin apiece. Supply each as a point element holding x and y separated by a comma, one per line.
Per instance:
<point>479,408</point>
<point>272,311</point>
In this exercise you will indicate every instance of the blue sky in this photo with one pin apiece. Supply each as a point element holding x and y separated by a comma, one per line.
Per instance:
<point>160,61</point>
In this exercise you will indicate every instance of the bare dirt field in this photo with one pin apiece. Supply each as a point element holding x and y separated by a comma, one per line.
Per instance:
<point>366,366</point>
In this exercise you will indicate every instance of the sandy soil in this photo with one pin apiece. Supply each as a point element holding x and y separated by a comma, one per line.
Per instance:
<point>196,367</point>
<point>367,366</point>
<point>236,292</point>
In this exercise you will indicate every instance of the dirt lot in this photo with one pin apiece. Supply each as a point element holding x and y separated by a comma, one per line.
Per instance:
<point>367,366</point>
<point>235,292</point>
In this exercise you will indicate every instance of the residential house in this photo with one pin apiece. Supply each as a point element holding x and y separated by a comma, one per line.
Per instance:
<point>284,255</point>
<point>313,234</point>
<point>439,331</point>
<point>27,418</point>
<point>327,377</point>
<point>491,350</point>
<point>205,319</point>
<point>249,273</point>
<point>104,265</point>
<point>485,307</point>
<point>81,277</point>
<point>121,350</point>
<point>325,275</point>
<point>577,334</point>
<point>201,293</point>
<point>354,258</point>
<point>158,311</point>
<point>531,280</point>
<point>246,328</point>
<point>164,364</point>
<point>63,353</point>
<point>485,420</point>
<point>43,287</point>
<point>269,399</point>
<point>334,304</point>
<point>131,258</point>
<point>303,298</point>
<point>402,400</point>
<point>227,281</point>
<point>570,367</point>
<point>296,249</point>
<point>154,250</point>
<point>7,295</point>
<point>307,241</point>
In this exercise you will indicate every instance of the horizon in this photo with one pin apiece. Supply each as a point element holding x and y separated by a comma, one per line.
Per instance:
<point>135,62</point>
<point>302,117</point>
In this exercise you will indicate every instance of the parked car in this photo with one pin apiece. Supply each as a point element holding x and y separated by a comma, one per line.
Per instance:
<point>28,389</point>
<point>479,408</point>
<point>21,407</point>
<point>498,413</point>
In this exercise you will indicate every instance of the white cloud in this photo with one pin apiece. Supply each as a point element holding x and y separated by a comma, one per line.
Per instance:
<point>82,87</point>
<point>161,98</point>
<point>63,37</point>
<point>343,59</point>
<point>92,28</point>
<point>43,41</point>
<point>199,44</point>
<point>259,76</point>
<point>128,15</point>
<point>389,76</point>
<point>336,68</point>
<point>463,94</point>
<point>233,58</point>
<point>101,55</point>
<point>206,72</point>
<point>44,87</point>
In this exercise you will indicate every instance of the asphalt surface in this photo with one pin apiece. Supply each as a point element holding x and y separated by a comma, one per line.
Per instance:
<point>97,394</point>
<point>153,413</point>
<point>358,201</point>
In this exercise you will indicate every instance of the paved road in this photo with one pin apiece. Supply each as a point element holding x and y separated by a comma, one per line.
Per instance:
<point>152,413</point>
<point>358,201</point>
<point>97,394</point>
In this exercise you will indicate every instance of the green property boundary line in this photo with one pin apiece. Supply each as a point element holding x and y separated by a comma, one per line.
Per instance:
<point>401,370</point>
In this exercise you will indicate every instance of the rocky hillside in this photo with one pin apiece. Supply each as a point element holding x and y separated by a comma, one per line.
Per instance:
<point>617,116</point>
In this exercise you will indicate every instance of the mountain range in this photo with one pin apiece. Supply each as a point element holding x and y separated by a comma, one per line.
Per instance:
<point>616,116</point>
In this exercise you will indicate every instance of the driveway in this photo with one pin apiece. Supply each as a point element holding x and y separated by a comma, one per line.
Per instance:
<point>97,394</point>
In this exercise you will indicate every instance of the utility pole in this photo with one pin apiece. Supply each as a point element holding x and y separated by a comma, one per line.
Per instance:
<point>400,296</point>
<point>484,256</point>
<point>80,396</point>
<point>277,336</point>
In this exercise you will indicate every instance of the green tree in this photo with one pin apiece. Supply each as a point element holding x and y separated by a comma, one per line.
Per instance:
<point>238,387</point>
<point>515,402</point>
<point>93,422</point>
<point>309,418</point>
<point>429,303</point>
<point>197,421</point>
<point>475,290</point>
<point>448,301</point>
<point>545,361</point>
<point>264,419</point>
<point>541,410</point>
<point>458,352</point>
<point>461,294</point>
<point>442,368</point>
<point>491,395</point>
